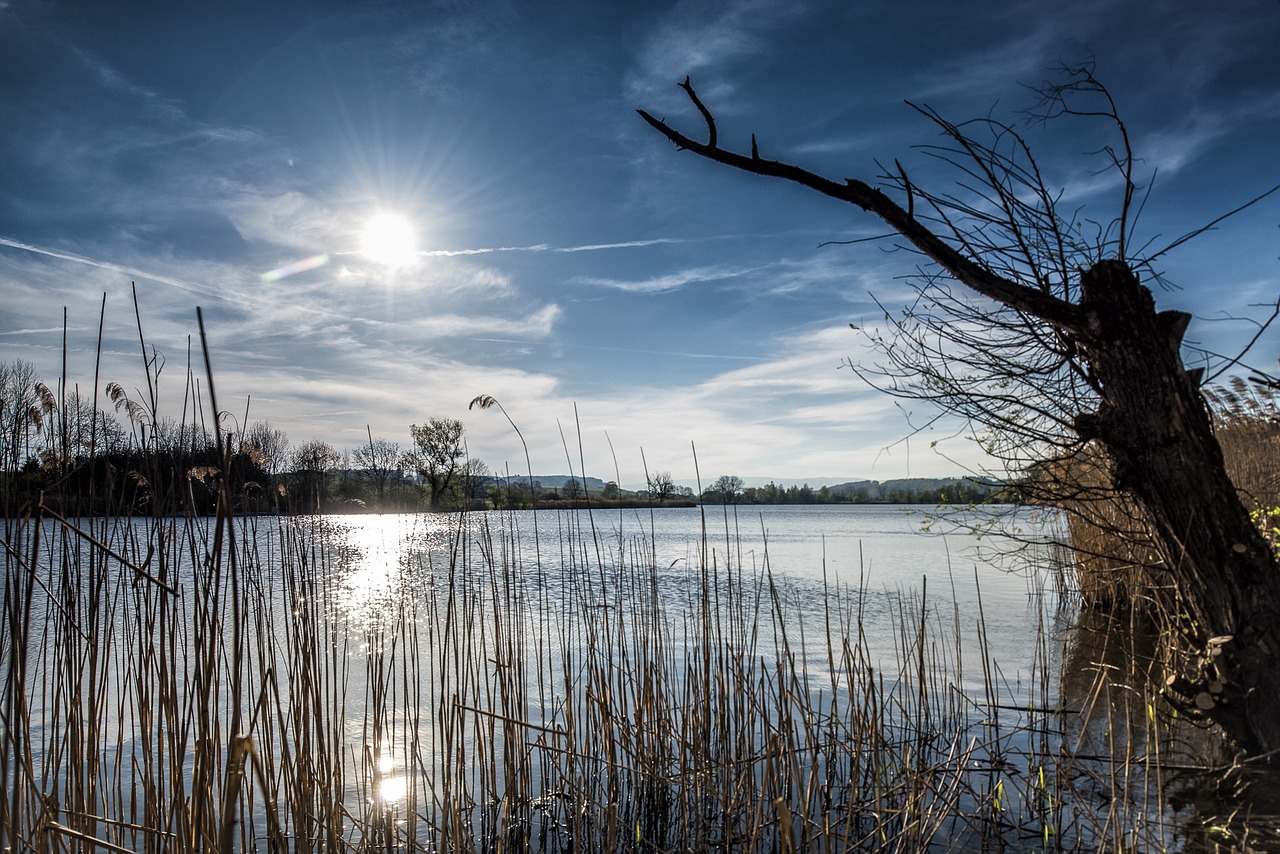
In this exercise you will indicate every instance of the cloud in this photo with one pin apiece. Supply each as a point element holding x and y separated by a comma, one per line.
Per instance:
<point>663,283</point>
<point>798,406</point>
<point>697,35</point>
<point>1186,140</point>
<point>291,220</point>
<point>539,324</point>
<point>189,287</point>
<point>999,67</point>
<point>543,247</point>
<point>435,57</point>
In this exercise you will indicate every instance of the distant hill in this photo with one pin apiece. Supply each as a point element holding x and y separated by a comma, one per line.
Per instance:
<point>553,481</point>
<point>900,490</point>
<point>815,482</point>
<point>834,483</point>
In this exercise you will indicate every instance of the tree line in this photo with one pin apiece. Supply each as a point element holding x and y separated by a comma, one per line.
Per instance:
<point>78,452</point>
<point>729,489</point>
<point>114,455</point>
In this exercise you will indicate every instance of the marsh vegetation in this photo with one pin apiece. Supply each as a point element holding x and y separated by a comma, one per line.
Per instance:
<point>432,683</point>
<point>634,679</point>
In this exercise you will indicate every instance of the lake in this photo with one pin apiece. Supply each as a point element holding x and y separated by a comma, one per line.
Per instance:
<point>559,680</point>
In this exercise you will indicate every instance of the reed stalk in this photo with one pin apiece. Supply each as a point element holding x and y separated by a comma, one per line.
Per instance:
<point>195,683</point>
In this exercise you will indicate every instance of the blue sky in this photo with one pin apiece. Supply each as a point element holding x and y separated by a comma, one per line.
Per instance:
<point>568,260</point>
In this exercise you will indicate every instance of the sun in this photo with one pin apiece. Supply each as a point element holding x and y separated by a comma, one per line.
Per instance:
<point>388,239</point>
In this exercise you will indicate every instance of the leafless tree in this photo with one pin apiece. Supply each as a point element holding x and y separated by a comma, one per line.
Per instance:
<point>22,413</point>
<point>312,463</point>
<point>474,480</point>
<point>728,486</point>
<point>438,455</point>
<point>661,486</point>
<point>1034,325</point>
<point>572,489</point>
<point>91,432</point>
<point>270,446</point>
<point>380,458</point>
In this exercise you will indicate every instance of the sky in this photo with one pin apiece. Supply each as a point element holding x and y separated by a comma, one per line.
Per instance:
<point>632,307</point>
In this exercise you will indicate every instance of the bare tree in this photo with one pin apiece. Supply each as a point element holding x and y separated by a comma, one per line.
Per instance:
<point>661,486</point>
<point>438,455</point>
<point>22,416</point>
<point>572,489</point>
<point>474,481</point>
<point>312,463</point>
<point>268,445</point>
<point>379,458</point>
<point>93,432</point>
<point>728,487</point>
<point>1035,325</point>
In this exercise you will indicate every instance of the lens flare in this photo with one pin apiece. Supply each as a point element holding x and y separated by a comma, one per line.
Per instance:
<point>300,266</point>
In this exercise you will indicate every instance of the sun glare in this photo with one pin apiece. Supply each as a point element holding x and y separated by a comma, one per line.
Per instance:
<point>388,239</point>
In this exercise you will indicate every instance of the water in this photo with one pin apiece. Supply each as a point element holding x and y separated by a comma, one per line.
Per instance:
<point>998,594</point>
<point>421,678</point>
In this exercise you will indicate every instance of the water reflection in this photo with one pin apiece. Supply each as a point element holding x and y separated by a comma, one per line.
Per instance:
<point>377,558</point>
<point>390,784</point>
<point>502,669</point>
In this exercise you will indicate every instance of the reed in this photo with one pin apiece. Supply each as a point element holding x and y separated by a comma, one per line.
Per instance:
<point>598,701</point>
<point>1116,567</point>
<point>234,682</point>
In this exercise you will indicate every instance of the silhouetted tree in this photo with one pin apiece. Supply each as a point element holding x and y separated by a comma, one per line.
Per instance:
<point>473,482</point>
<point>572,489</point>
<point>380,457</point>
<point>312,463</point>
<point>438,456</point>
<point>22,415</point>
<point>270,443</point>
<point>661,486</point>
<point>728,486</point>
<point>1053,345</point>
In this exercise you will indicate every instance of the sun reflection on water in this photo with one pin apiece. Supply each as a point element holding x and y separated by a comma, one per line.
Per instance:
<point>390,787</point>
<point>378,559</point>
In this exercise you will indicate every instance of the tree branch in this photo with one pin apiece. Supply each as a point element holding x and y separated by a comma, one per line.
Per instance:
<point>1060,313</point>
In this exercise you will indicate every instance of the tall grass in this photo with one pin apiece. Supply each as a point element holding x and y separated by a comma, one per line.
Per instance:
<point>1117,569</point>
<point>595,701</point>
<point>253,683</point>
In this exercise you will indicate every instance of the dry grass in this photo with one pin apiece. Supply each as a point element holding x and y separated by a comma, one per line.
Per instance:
<point>208,684</point>
<point>219,683</point>
<point>1117,569</point>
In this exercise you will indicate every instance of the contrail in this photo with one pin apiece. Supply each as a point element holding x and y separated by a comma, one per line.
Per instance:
<point>189,287</point>
<point>543,247</point>
<point>320,260</point>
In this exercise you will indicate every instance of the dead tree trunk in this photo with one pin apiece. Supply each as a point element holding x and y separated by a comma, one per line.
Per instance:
<point>1156,429</point>
<point>1154,426</point>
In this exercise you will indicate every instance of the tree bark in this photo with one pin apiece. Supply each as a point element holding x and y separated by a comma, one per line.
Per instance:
<point>1157,431</point>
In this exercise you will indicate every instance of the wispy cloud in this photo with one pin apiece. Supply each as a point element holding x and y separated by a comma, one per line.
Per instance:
<point>664,283</point>
<point>61,255</point>
<point>33,331</point>
<point>828,268</point>
<point>539,324</point>
<point>697,36</point>
<point>1192,134</point>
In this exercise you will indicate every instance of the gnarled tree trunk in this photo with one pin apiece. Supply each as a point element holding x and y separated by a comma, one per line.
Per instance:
<point>1155,426</point>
